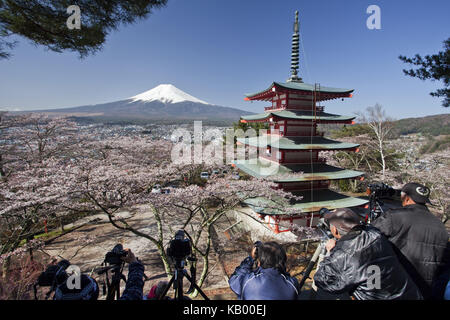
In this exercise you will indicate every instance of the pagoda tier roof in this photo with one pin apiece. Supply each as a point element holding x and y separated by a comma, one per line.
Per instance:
<point>323,93</point>
<point>310,203</point>
<point>298,115</point>
<point>285,172</point>
<point>297,143</point>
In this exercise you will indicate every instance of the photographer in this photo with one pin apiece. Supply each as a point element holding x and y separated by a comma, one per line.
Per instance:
<point>89,289</point>
<point>269,281</point>
<point>57,278</point>
<point>135,283</point>
<point>355,252</point>
<point>419,238</point>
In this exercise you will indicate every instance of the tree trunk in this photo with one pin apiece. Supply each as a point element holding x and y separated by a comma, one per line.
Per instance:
<point>382,157</point>
<point>5,267</point>
<point>205,259</point>
<point>165,260</point>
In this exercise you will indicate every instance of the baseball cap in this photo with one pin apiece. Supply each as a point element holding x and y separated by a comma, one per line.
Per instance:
<point>418,192</point>
<point>343,218</point>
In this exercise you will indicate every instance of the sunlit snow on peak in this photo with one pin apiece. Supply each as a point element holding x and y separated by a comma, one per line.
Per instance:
<point>166,93</point>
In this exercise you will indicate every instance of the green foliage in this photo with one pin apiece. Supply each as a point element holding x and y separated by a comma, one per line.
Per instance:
<point>351,131</point>
<point>434,145</point>
<point>250,125</point>
<point>44,22</point>
<point>434,67</point>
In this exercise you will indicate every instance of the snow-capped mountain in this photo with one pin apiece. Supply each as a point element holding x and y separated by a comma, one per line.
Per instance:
<point>164,102</point>
<point>166,93</point>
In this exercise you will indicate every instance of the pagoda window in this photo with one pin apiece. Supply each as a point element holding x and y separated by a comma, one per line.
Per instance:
<point>283,96</point>
<point>283,102</point>
<point>281,129</point>
<point>274,104</point>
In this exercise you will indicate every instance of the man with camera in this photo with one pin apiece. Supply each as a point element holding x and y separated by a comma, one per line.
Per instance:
<point>418,237</point>
<point>269,281</point>
<point>361,262</point>
<point>58,280</point>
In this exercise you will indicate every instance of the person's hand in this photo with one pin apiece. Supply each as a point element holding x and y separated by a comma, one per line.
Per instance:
<point>254,249</point>
<point>253,253</point>
<point>330,244</point>
<point>130,257</point>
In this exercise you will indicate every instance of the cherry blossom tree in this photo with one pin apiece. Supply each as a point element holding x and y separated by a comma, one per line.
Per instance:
<point>120,177</point>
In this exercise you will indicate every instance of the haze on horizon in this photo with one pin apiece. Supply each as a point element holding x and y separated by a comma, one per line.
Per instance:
<point>219,51</point>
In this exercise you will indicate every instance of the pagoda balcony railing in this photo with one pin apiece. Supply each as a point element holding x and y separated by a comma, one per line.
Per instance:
<point>271,108</point>
<point>308,161</point>
<point>303,134</point>
<point>284,107</point>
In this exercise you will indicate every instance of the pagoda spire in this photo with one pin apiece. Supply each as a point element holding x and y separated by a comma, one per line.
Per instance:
<point>295,52</point>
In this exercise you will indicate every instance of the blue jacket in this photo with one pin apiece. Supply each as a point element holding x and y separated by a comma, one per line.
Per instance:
<point>262,284</point>
<point>135,282</point>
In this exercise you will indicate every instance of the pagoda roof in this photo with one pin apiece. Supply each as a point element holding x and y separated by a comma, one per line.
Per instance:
<point>297,143</point>
<point>298,115</point>
<point>318,171</point>
<point>311,202</point>
<point>325,93</point>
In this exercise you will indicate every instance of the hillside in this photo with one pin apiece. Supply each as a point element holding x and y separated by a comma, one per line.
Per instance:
<point>435,125</point>
<point>430,125</point>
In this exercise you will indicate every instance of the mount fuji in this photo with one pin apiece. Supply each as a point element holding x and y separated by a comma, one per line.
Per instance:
<point>164,102</point>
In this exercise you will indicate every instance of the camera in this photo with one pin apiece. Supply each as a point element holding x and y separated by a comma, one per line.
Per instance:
<point>377,191</point>
<point>114,256</point>
<point>323,224</point>
<point>381,190</point>
<point>180,247</point>
<point>54,274</point>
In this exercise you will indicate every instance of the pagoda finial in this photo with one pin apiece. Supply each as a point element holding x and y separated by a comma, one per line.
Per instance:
<point>295,54</point>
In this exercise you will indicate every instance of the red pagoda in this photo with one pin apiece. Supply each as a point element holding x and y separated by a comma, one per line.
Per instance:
<point>293,145</point>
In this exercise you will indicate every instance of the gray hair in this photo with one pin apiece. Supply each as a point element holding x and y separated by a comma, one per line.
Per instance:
<point>160,287</point>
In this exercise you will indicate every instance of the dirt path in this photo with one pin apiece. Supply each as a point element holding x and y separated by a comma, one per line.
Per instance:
<point>87,246</point>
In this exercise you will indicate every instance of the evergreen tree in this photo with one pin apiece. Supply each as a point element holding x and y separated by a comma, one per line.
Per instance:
<point>44,22</point>
<point>434,67</point>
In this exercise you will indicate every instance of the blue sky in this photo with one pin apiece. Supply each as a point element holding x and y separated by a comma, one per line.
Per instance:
<point>218,51</point>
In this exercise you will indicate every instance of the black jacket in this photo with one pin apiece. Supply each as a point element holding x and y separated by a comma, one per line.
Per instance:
<point>350,268</point>
<point>420,241</point>
<point>135,282</point>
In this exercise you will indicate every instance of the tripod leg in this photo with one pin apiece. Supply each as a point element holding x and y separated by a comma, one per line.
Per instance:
<point>180,285</point>
<point>195,285</point>
<point>311,265</point>
<point>167,288</point>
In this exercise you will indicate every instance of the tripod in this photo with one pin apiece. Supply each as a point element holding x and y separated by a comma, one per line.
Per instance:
<point>113,286</point>
<point>375,208</point>
<point>320,252</point>
<point>177,282</point>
